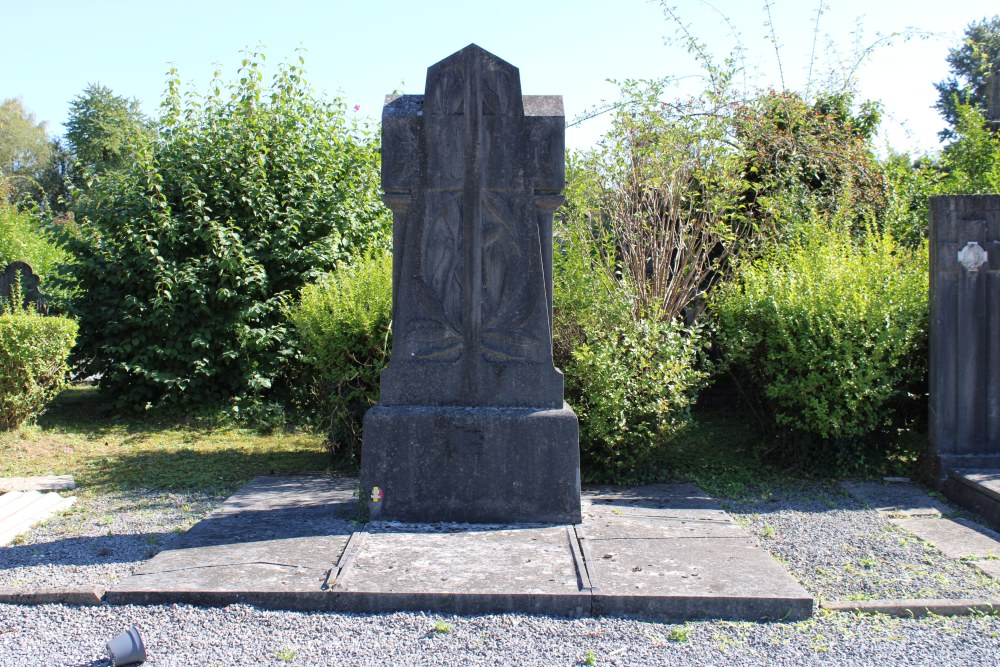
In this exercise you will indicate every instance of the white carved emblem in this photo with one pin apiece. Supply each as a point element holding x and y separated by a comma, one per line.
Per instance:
<point>972,256</point>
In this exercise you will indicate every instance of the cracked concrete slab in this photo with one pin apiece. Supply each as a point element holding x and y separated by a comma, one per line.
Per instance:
<point>660,551</point>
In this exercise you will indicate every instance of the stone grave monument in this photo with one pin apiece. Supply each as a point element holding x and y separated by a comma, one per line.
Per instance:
<point>471,425</point>
<point>20,273</point>
<point>964,332</point>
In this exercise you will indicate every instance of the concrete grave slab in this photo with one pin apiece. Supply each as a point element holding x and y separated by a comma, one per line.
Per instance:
<point>662,551</point>
<point>671,552</point>
<point>896,499</point>
<point>955,538</point>
<point>274,541</point>
<point>472,570</point>
<point>44,483</point>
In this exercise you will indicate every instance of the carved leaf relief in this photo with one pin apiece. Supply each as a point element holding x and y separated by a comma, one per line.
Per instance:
<point>438,290</point>
<point>448,97</point>
<point>498,89</point>
<point>508,300</point>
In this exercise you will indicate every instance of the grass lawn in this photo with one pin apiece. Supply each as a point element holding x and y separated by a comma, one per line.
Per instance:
<point>78,436</point>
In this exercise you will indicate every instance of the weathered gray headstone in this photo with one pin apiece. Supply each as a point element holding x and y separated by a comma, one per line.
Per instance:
<point>471,423</point>
<point>21,273</point>
<point>964,330</point>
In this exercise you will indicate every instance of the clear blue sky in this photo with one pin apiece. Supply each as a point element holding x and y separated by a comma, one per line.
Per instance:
<point>51,49</point>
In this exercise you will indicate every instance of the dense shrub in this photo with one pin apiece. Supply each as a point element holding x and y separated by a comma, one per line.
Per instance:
<point>33,353</point>
<point>631,379</point>
<point>830,335</point>
<point>343,322</point>
<point>187,261</point>
<point>24,238</point>
<point>801,155</point>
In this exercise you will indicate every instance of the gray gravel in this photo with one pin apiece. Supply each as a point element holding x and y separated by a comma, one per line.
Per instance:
<point>240,635</point>
<point>101,539</point>
<point>834,546</point>
<point>838,549</point>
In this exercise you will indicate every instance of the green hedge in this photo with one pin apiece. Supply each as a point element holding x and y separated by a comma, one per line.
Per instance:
<point>831,335</point>
<point>343,323</point>
<point>33,353</point>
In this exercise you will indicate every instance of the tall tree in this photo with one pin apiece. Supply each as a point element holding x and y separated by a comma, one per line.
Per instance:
<point>104,129</point>
<point>971,65</point>
<point>25,151</point>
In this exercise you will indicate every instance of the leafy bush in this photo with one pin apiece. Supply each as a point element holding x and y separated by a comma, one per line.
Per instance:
<point>343,322</point>
<point>24,238</point>
<point>187,261</point>
<point>831,336</point>
<point>631,380</point>
<point>33,353</point>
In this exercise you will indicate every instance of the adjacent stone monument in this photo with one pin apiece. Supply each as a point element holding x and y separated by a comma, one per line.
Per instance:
<point>18,275</point>
<point>964,332</point>
<point>471,425</point>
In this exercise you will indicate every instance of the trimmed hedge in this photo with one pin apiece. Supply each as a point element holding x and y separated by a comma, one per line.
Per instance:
<point>343,322</point>
<point>831,336</point>
<point>33,353</point>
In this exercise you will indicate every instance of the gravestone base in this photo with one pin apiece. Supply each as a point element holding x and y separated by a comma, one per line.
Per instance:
<point>471,464</point>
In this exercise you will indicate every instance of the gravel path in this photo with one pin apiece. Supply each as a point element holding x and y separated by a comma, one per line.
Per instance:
<point>240,635</point>
<point>834,546</point>
<point>840,550</point>
<point>101,539</point>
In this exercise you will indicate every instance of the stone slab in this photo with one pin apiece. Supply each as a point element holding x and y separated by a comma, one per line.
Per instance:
<point>47,483</point>
<point>896,499</point>
<point>955,538</point>
<point>916,608</point>
<point>20,510</point>
<point>674,555</point>
<point>990,567</point>
<point>671,552</point>
<point>275,536</point>
<point>468,570</point>
<point>986,481</point>
<point>975,490</point>
<point>77,595</point>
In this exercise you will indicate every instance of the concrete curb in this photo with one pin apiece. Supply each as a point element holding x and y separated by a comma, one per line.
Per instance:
<point>915,608</point>
<point>81,595</point>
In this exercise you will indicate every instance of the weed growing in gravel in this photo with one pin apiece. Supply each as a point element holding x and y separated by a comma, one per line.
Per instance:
<point>680,634</point>
<point>285,654</point>
<point>590,658</point>
<point>442,626</point>
<point>767,530</point>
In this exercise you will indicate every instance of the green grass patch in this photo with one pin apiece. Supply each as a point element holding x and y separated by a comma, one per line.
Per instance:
<point>78,436</point>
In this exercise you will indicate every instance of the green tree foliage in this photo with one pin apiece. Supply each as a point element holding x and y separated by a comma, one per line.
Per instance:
<point>187,261</point>
<point>801,156</point>
<point>105,130</point>
<point>33,368</point>
<point>971,162</point>
<point>829,335</point>
<point>25,152</point>
<point>343,321</point>
<point>971,65</point>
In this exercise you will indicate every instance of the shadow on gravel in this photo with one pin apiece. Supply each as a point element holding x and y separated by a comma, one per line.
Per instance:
<point>99,550</point>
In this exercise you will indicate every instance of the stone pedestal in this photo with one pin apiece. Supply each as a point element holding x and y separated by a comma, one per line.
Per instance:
<point>478,465</point>
<point>471,424</point>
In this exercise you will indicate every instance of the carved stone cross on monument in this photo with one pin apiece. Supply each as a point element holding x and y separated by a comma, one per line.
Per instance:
<point>471,424</point>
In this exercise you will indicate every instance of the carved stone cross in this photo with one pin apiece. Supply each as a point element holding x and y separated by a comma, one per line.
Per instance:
<point>473,172</point>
